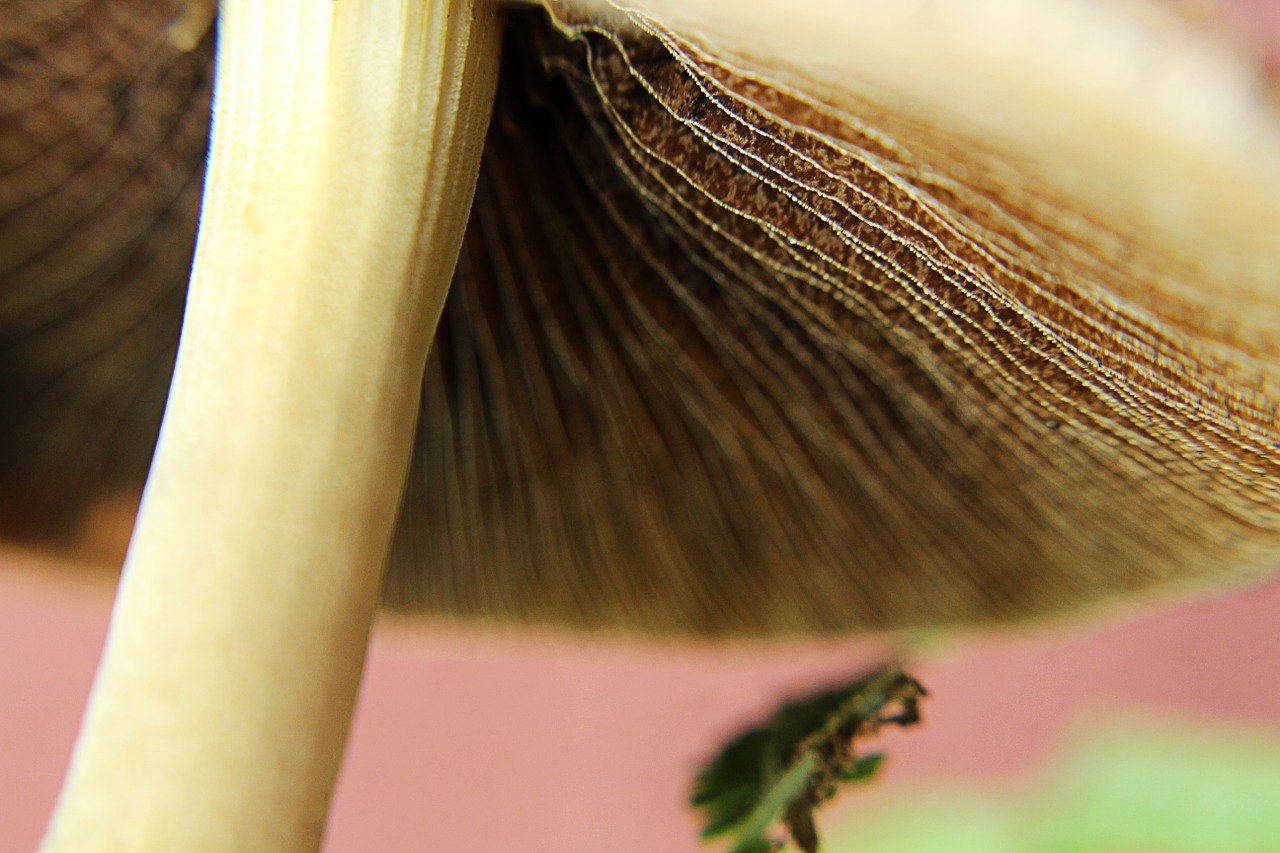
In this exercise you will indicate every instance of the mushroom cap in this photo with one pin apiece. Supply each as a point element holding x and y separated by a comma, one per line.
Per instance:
<point>730,350</point>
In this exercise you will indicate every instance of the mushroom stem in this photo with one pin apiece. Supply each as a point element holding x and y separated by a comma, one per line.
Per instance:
<point>346,143</point>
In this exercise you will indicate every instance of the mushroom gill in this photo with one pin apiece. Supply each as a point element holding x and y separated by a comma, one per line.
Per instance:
<point>729,350</point>
<point>723,357</point>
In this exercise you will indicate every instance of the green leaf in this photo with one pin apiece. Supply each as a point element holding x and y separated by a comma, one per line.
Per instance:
<point>776,773</point>
<point>864,768</point>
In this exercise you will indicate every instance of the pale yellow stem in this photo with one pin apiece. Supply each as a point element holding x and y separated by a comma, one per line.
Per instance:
<point>345,149</point>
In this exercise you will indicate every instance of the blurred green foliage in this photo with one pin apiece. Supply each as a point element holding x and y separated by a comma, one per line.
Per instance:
<point>1135,785</point>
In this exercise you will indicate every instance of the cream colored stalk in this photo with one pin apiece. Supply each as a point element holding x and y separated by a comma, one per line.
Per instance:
<point>346,143</point>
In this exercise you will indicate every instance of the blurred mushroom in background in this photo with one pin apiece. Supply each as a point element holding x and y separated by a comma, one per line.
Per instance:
<point>851,318</point>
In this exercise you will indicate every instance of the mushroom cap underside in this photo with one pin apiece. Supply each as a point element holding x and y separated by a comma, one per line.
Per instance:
<point>724,354</point>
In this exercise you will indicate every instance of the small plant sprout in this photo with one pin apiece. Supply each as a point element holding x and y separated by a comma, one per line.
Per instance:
<point>777,773</point>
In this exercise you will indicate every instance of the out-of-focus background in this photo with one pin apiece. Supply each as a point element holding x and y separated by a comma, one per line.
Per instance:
<point>478,742</point>
<point>1161,720</point>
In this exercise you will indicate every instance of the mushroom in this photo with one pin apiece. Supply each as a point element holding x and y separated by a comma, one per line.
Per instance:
<point>762,325</point>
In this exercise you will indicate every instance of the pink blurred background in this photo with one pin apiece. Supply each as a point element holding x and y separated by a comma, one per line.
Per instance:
<point>476,741</point>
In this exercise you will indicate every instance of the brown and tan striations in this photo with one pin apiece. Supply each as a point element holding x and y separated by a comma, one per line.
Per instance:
<point>725,359</point>
<point>721,358</point>
<point>103,127</point>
